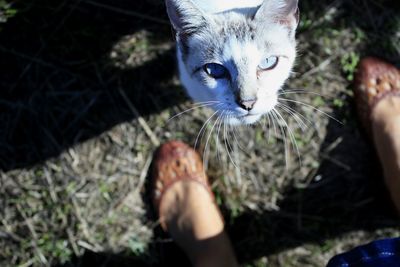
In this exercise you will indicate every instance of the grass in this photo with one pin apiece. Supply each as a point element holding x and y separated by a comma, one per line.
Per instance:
<point>87,91</point>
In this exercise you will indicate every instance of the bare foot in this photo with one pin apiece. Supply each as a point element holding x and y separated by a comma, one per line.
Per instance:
<point>386,132</point>
<point>187,209</point>
<point>377,91</point>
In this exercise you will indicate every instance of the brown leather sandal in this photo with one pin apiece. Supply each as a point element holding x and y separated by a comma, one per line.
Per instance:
<point>374,80</point>
<point>174,162</point>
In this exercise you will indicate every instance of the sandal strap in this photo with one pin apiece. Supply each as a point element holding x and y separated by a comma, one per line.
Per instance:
<point>374,81</point>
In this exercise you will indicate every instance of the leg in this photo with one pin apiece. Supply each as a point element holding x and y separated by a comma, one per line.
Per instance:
<point>386,132</point>
<point>377,91</point>
<point>187,209</point>
<point>194,222</point>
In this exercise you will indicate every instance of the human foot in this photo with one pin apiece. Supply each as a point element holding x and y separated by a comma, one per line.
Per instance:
<point>377,94</point>
<point>186,206</point>
<point>375,81</point>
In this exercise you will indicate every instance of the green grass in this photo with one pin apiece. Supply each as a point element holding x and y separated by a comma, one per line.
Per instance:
<point>6,11</point>
<point>74,150</point>
<point>349,64</point>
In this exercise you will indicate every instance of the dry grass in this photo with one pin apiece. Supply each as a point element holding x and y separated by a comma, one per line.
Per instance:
<point>87,93</point>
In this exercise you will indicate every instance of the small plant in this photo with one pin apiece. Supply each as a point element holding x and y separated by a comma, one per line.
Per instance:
<point>6,11</point>
<point>318,101</point>
<point>339,103</point>
<point>305,23</point>
<point>349,63</point>
<point>137,246</point>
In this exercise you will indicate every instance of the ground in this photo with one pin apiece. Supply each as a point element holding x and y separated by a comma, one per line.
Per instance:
<point>87,90</point>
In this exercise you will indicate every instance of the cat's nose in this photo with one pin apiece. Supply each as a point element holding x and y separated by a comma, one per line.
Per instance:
<point>246,104</point>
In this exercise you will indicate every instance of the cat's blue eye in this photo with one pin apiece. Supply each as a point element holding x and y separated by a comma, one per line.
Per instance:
<point>215,70</point>
<point>269,63</point>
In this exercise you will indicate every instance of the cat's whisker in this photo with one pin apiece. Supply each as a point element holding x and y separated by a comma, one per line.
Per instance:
<point>235,134</point>
<point>267,126</point>
<point>303,126</point>
<point>207,102</point>
<point>284,137</point>
<point>193,108</point>
<point>297,113</point>
<point>222,117</point>
<point>235,137</point>
<point>202,129</point>
<point>311,123</point>
<point>291,135</point>
<point>227,146</point>
<point>262,123</point>
<point>312,107</point>
<point>301,91</point>
<point>273,123</point>
<point>235,156</point>
<point>201,133</point>
<point>205,154</point>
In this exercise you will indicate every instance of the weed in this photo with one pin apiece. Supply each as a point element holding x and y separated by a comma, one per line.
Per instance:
<point>137,246</point>
<point>7,11</point>
<point>349,62</point>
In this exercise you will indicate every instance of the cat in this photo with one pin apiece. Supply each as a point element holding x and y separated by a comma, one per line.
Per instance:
<point>235,55</point>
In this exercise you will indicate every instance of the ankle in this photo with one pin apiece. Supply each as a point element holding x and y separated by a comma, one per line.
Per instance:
<point>216,251</point>
<point>386,132</point>
<point>190,213</point>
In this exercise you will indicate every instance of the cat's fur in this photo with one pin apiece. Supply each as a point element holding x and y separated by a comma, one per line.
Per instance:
<point>238,34</point>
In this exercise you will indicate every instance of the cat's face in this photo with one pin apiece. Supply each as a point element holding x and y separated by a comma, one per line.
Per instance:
<point>238,58</point>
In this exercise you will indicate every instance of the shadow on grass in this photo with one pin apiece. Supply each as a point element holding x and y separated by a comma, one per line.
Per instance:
<point>58,84</point>
<point>58,89</point>
<point>347,195</point>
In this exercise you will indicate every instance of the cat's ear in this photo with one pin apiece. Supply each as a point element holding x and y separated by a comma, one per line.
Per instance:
<point>185,17</point>
<point>281,11</point>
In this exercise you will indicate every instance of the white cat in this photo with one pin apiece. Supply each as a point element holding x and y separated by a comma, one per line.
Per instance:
<point>235,54</point>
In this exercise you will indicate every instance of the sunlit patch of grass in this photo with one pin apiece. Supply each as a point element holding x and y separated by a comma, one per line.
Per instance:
<point>136,49</point>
